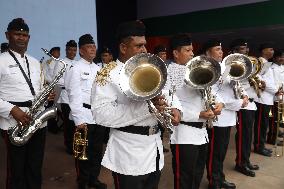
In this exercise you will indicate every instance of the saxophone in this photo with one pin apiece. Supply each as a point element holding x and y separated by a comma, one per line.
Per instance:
<point>18,134</point>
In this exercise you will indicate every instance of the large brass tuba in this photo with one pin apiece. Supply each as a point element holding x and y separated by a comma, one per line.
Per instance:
<point>80,144</point>
<point>279,121</point>
<point>18,134</point>
<point>142,78</point>
<point>201,73</point>
<point>254,80</point>
<point>240,68</point>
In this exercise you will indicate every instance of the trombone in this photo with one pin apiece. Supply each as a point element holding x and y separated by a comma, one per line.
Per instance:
<point>280,120</point>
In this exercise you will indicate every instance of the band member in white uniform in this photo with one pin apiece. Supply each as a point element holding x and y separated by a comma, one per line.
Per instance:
<point>265,102</point>
<point>78,83</point>
<point>20,82</point>
<point>189,140</point>
<point>134,150</point>
<point>245,121</point>
<point>219,135</point>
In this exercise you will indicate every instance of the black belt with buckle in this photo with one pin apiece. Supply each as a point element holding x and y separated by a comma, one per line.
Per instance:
<point>88,106</point>
<point>22,104</point>
<point>147,130</point>
<point>198,125</point>
<point>62,87</point>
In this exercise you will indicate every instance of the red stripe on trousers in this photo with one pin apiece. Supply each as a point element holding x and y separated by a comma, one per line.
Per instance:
<point>258,126</point>
<point>211,157</point>
<point>272,124</point>
<point>77,167</point>
<point>240,138</point>
<point>177,168</point>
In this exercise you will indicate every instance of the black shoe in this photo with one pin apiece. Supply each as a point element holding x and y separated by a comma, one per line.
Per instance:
<point>165,150</point>
<point>98,185</point>
<point>263,152</point>
<point>268,150</point>
<point>228,185</point>
<point>245,170</point>
<point>253,167</point>
<point>281,135</point>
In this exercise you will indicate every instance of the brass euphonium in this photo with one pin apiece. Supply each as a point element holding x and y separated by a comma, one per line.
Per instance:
<point>254,80</point>
<point>201,73</point>
<point>240,68</point>
<point>142,78</point>
<point>80,144</point>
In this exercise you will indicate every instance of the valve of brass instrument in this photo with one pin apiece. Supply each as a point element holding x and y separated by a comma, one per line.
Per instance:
<point>80,144</point>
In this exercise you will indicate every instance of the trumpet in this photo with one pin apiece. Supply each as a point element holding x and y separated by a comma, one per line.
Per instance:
<point>80,144</point>
<point>142,78</point>
<point>201,73</point>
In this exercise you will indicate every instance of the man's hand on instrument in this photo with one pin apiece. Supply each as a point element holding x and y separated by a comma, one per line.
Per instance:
<point>51,96</point>
<point>82,126</point>
<point>245,101</point>
<point>176,116</point>
<point>160,103</point>
<point>218,108</point>
<point>209,114</point>
<point>20,116</point>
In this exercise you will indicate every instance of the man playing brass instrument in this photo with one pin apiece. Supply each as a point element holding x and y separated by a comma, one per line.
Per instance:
<point>278,73</point>
<point>189,140</point>
<point>219,135</point>
<point>78,83</point>
<point>134,150</point>
<point>245,121</point>
<point>265,101</point>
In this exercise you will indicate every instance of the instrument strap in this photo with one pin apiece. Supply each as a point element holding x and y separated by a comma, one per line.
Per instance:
<point>28,79</point>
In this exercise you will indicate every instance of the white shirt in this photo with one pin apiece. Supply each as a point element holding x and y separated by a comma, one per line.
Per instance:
<point>126,153</point>
<point>192,104</point>
<point>278,74</point>
<point>13,86</point>
<point>251,94</point>
<point>48,69</point>
<point>78,83</point>
<point>267,96</point>
<point>63,98</point>
<point>228,115</point>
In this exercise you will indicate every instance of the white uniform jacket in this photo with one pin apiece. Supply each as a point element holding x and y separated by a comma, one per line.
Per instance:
<point>192,104</point>
<point>13,86</point>
<point>267,96</point>
<point>278,73</point>
<point>251,94</point>
<point>63,98</point>
<point>78,83</point>
<point>48,69</point>
<point>126,153</point>
<point>228,115</point>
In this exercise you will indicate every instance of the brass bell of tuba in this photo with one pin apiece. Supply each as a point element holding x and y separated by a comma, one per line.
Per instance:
<point>142,78</point>
<point>254,80</point>
<point>240,68</point>
<point>201,73</point>
<point>80,143</point>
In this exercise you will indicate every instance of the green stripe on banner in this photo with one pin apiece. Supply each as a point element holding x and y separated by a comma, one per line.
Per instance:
<point>243,16</point>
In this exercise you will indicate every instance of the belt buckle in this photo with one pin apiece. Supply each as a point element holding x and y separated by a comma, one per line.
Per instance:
<point>152,130</point>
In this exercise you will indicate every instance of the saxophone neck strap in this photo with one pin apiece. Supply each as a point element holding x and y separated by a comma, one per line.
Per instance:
<point>28,79</point>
